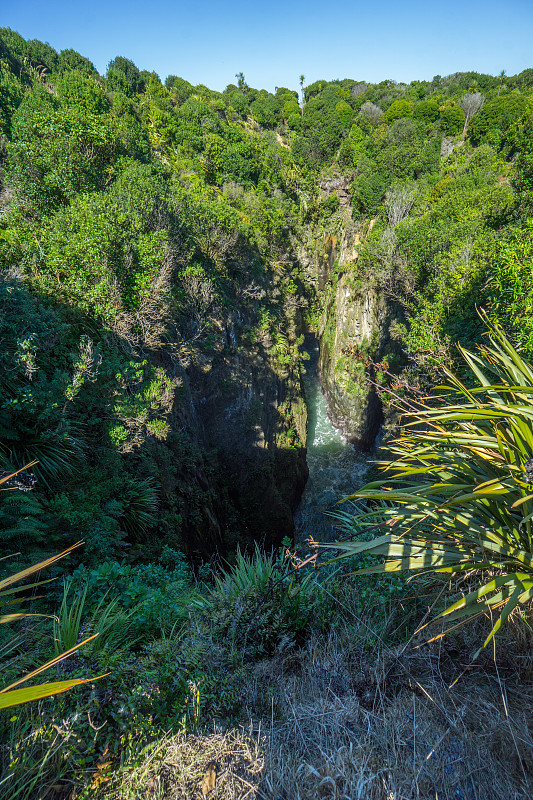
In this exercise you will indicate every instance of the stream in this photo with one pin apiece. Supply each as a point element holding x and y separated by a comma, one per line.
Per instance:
<point>336,468</point>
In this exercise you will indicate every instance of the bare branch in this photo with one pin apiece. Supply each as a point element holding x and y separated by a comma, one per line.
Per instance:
<point>373,112</point>
<point>399,201</point>
<point>471,104</point>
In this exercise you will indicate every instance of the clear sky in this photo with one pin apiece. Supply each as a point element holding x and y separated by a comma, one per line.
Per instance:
<point>274,42</point>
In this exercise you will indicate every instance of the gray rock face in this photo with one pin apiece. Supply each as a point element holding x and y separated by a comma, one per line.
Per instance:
<point>449,144</point>
<point>355,326</point>
<point>319,254</point>
<point>354,323</point>
<point>336,183</point>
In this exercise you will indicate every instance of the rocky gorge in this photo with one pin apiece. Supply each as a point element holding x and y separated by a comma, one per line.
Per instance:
<point>251,409</point>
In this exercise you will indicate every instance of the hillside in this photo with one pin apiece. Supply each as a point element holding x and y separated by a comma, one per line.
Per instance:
<point>164,251</point>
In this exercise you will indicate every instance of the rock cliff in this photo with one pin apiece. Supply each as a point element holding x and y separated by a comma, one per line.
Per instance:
<point>354,327</point>
<point>246,397</point>
<point>354,319</point>
<point>240,425</point>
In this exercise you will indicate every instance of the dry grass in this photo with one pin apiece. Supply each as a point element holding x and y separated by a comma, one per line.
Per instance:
<point>233,761</point>
<point>393,728</point>
<point>343,725</point>
<point>223,766</point>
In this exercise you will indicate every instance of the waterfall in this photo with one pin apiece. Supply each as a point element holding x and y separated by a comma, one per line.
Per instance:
<point>336,468</point>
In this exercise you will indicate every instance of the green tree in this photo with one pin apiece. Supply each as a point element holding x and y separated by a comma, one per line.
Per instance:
<point>123,76</point>
<point>398,109</point>
<point>453,119</point>
<point>427,111</point>
<point>267,109</point>
<point>344,111</point>
<point>512,288</point>
<point>71,59</point>
<point>11,94</point>
<point>105,250</point>
<point>13,49</point>
<point>81,93</point>
<point>56,153</point>
<point>241,82</point>
<point>322,128</point>
<point>496,118</point>
<point>42,54</point>
<point>179,88</point>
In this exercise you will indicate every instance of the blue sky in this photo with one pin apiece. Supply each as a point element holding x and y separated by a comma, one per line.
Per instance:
<point>274,43</point>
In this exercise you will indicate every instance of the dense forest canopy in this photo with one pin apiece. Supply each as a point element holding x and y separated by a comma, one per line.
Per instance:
<point>141,218</point>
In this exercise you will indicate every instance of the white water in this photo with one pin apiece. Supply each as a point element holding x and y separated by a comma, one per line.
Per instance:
<point>336,468</point>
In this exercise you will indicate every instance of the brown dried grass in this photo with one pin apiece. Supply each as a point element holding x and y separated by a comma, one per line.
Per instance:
<point>234,760</point>
<point>221,765</point>
<point>334,722</point>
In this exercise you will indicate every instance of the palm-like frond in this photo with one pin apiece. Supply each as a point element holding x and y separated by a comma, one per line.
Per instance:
<point>460,493</point>
<point>250,573</point>
<point>9,587</point>
<point>12,695</point>
<point>56,454</point>
<point>139,506</point>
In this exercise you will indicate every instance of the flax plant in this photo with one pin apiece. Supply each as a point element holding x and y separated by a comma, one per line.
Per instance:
<point>12,695</point>
<point>68,622</point>
<point>10,600</point>
<point>458,493</point>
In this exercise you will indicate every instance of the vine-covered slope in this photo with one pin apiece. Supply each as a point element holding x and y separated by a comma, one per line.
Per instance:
<point>163,248</point>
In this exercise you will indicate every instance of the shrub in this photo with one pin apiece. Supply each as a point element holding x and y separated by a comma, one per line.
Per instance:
<point>427,111</point>
<point>496,117</point>
<point>513,284</point>
<point>453,119</point>
<point>261,602</point>
<point>155,596</point>
<point>399,109</point>
<point>458,498</point>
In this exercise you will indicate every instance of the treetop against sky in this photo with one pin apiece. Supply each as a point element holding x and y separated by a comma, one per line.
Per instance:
<point>274,42</point>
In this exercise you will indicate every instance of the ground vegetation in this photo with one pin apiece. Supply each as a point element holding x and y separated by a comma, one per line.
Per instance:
<point>163,249</point>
